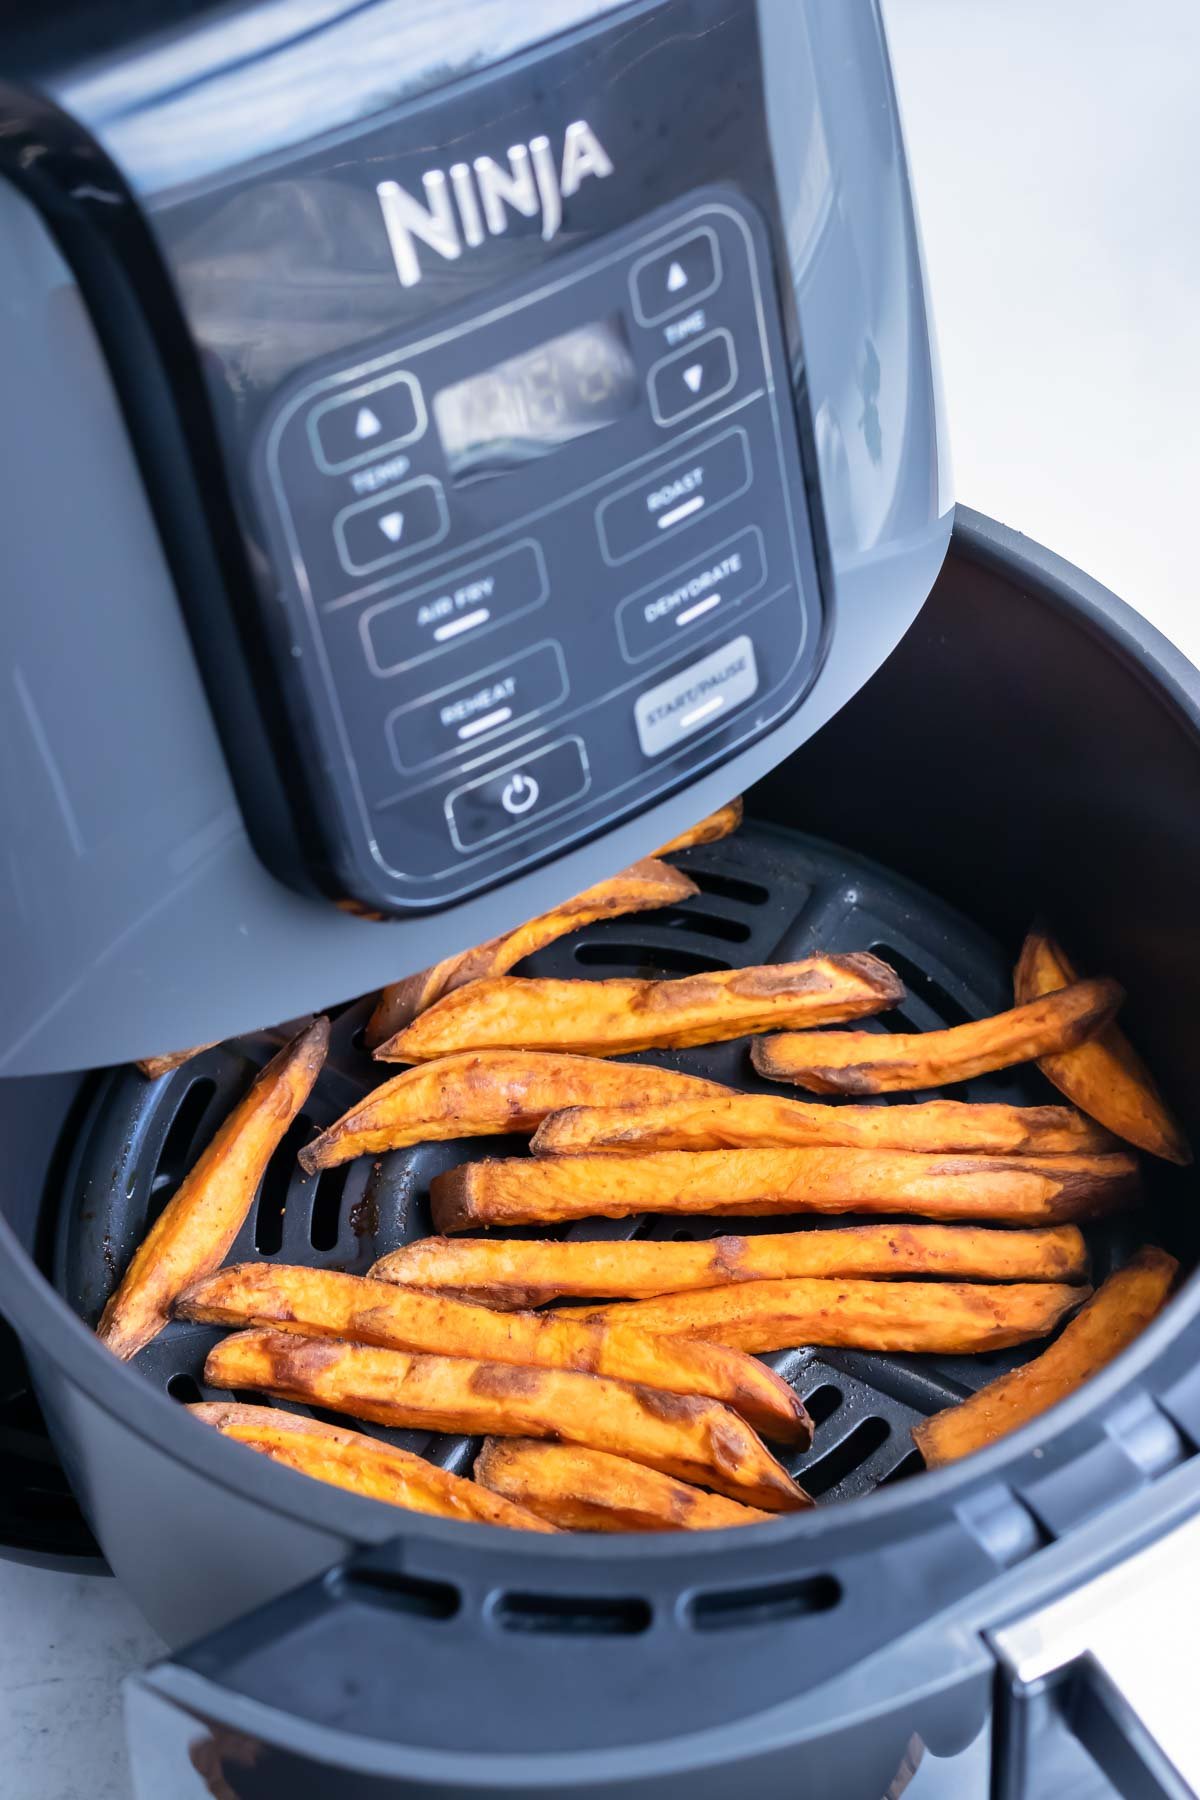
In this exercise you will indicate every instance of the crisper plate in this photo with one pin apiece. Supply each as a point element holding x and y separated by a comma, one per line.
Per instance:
<point>766,895</point>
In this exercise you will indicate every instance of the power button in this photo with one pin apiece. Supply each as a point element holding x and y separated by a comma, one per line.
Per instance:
<point>518,794</point>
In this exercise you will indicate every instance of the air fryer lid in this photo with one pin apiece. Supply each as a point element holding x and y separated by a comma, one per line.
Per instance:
<point>179,751</point>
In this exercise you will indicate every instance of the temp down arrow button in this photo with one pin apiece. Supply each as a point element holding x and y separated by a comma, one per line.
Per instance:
<point>370,534</point>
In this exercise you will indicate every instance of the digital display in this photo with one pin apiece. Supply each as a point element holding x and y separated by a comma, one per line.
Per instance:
<point>535,403</point>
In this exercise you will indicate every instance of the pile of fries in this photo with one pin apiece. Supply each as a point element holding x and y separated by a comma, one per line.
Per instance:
<point>633,1399</point>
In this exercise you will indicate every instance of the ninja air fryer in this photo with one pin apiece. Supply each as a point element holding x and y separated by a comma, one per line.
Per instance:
<point>447,451</point>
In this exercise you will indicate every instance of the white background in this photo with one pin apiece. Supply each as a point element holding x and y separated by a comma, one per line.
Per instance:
<point>1054,147</point>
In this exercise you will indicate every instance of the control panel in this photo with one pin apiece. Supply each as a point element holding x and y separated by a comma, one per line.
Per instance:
<point>547,560</point>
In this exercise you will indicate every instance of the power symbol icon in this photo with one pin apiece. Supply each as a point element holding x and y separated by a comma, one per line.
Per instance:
<point>519,794</point>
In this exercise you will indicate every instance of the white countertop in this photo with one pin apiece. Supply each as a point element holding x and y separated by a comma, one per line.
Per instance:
<point>1053,150</point>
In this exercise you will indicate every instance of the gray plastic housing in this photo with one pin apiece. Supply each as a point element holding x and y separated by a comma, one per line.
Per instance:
<point>135,913</point>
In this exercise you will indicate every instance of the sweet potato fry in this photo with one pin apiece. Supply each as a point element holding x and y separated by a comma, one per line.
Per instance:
<point>518,1272</point>
<point>589,1490</point>
<point>640,888</point>
<point>1029,1190</point>
<point>325,1303</point>
<point>946,1317</point>
<point>364,1465</point>
<point>480,1093</point>
<point>720,824</point>
<point>696,1440</point>
<point>1105,1076</point>
<point>611,1018</point>
<point>192,1234</point>
<point>1121,1308</point>
<point>154,1066</point>
<point>868,1062</point>
<point>754,1121</point>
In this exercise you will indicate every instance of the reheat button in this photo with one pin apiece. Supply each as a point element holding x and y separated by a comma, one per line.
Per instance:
<point>485,704</point>
<point>676,496</point>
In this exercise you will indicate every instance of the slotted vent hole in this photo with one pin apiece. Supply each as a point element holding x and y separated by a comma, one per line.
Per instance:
<point>272,1196</point>
<point>566,1615</point>
<point>184,1388</point>
<point>177,1145</point>
<point>326,1219</point>
<point>726,1608</point>
<point>713,925</point>
<point>620,956</point>
<point>729,887</point>
<point>912,1464</point>
<point>867,1437</point>
<point>915,979</point>
<point>823,1402</point>
<point>391,1588</point>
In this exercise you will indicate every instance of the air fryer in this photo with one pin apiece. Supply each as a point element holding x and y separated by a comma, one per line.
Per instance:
<point>1030,746</point>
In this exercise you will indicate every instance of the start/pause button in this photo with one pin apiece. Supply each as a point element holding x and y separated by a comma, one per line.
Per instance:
<point>696,698</point>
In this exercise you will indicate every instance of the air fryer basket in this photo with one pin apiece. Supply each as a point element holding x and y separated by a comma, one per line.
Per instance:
<point>768,894</point>
<point>1032,745</point>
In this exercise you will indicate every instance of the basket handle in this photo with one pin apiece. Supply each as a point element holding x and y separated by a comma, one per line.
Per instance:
<point>1112,1664</point>
<point>502,1669</point>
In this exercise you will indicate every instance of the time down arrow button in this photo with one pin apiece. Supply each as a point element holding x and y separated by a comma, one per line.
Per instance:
<point>693,377</point>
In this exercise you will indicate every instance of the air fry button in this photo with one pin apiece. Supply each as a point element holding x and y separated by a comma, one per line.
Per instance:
<point>677,495</point>
<point>518,795</point>
<point>466,604</point>
<point>697,698</point>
